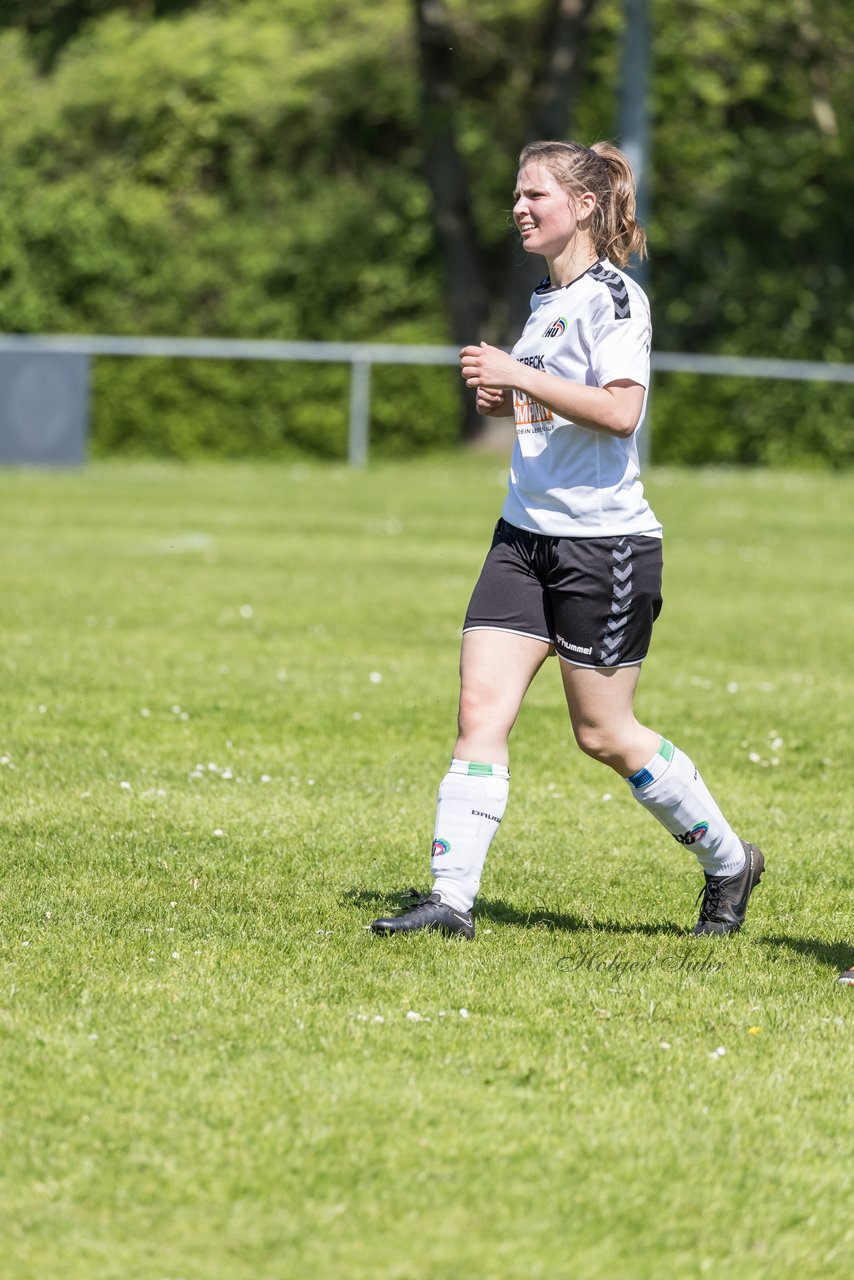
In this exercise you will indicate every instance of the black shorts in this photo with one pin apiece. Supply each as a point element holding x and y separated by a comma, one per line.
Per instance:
<point>594,599</point>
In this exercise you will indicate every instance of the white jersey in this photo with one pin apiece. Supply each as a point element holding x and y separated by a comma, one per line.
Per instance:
<point>565,480</point>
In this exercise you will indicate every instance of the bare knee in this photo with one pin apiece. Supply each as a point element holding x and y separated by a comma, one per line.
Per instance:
<point>600,742</point>
<point>484,725</point>
<point>477,707</point>
<point>624,746</point>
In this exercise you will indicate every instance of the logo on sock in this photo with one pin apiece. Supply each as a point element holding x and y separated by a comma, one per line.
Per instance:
<point>696,833</point>
<point>480,813</point>
<point>440,846</point>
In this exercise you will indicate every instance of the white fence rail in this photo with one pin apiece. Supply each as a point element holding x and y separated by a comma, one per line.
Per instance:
<point>362,356</point>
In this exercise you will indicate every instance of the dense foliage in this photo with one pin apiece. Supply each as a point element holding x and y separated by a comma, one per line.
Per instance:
<point>255,170</point>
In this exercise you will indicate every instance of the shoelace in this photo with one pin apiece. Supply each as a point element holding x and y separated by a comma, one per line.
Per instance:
<point>416,899</point>
<point>710,893</point>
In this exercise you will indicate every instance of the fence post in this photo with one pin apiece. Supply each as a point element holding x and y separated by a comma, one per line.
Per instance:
<point>44,408</point>
<point>360,411</point>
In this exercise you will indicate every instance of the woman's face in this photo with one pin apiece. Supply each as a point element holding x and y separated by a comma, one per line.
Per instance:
<point>544,212</point>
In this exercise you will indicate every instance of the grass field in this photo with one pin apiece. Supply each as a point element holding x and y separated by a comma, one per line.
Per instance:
<point>228,698</point>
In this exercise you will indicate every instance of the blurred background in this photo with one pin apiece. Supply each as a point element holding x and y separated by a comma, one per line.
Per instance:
<point>315,170</point>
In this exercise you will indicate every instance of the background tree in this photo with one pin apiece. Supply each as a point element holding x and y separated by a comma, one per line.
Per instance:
<point>52,24</point>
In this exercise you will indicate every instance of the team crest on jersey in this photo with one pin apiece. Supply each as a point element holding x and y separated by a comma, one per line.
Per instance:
<point>440,846</point>
<point>556,329</point>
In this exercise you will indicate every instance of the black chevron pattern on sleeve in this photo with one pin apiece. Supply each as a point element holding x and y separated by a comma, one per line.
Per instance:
<point>616,286</point>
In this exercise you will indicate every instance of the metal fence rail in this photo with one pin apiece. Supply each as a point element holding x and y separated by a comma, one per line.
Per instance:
<point>361,356</point>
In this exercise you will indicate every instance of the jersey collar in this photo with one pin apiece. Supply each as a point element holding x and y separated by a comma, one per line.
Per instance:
<point>546,286</point>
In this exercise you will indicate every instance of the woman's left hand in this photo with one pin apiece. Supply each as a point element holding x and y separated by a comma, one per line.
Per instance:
<point>486,366</point>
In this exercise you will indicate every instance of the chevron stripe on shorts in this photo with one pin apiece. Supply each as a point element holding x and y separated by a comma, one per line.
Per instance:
<point>621,604</point>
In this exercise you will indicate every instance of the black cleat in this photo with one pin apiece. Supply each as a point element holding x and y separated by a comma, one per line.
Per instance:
<point>426,913</point>
<point>725,898</point>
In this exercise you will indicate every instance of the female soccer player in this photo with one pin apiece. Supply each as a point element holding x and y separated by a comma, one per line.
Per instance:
<point>575,562</point>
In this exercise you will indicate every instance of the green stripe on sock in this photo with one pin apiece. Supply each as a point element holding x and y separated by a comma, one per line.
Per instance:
<point>480,770</point>
<point>666,749</point>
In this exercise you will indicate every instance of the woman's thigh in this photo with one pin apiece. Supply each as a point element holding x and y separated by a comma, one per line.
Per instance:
<point>496,669</point>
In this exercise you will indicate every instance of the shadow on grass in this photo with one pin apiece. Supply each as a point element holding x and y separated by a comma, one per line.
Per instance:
<point>836,955</point>
<point>544,918</point>
<point>495,911</point>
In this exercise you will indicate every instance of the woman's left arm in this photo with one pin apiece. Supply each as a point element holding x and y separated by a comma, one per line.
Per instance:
<point>614,409</point>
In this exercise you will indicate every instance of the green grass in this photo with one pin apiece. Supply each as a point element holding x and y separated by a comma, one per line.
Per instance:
<point>208,1071</point>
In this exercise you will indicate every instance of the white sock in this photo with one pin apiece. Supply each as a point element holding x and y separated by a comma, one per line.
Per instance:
<point>472,800</point>
<point>673,791</point>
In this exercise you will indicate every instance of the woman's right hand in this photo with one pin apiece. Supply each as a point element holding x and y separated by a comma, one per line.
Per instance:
<point>489,402</point>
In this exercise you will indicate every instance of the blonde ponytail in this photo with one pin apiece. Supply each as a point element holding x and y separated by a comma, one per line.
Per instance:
<point>622,234</point>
